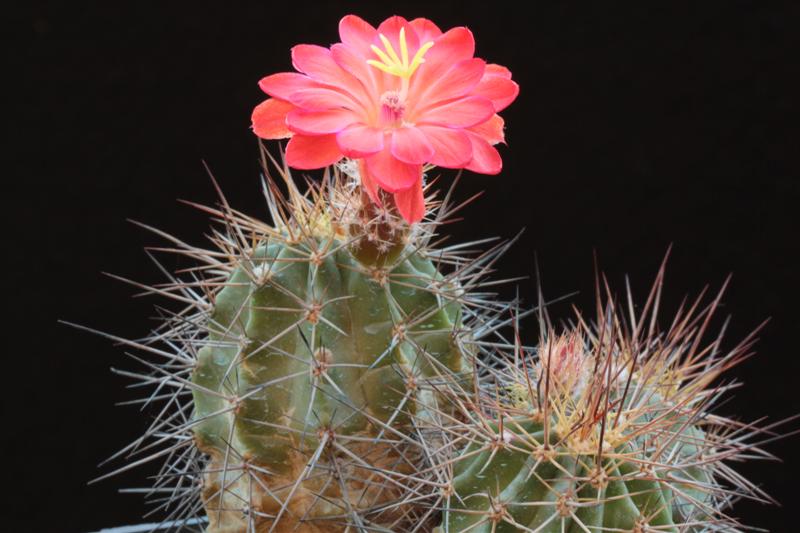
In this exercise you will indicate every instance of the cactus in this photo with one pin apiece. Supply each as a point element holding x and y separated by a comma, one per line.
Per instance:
<point>308,379</point>
<point>306,361</point>
<point>326,375</point>
<point>606,427</point>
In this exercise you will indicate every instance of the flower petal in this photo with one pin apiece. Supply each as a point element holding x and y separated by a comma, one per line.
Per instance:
<point>410,145</point>
<point>485,158</point>
<point>314,61</point>
<point>360,140</point>
<point>269,119</point>
<point>461,113</point>
<point>498,70</point>
<point>451,47</point>
<point>455,83</point>
<point>320,122</point>
<point>307,152</point>
<point>411,203</point>
<point>283,84</point>
<point>491,130</point>
<point>368,183</point>
<point>357,33</point>
<point>501,91</point>
<point>318,64</point>
<point>390,173</point>
<point>426,30</point>
<point>320,99</point>
<point>353,62</point>
<point>390,28</point>
<point>452,147</point>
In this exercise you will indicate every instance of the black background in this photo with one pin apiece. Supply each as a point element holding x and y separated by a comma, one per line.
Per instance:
<point>638,125</point>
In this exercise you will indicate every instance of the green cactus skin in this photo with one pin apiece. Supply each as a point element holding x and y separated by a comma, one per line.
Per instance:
<point>526,486</point>
<point>302,381</point>
<point>311,357</point>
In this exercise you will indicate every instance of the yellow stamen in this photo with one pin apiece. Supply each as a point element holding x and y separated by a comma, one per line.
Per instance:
<point>394,65</point>
<point>389,48</point>
<point>403,46</point>
<point>385,66</point>
<point>419,56</point>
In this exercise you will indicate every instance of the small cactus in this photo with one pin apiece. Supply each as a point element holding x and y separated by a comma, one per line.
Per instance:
<point>607,427</point>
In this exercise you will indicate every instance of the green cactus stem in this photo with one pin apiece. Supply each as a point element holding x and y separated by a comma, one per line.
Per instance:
<point>606,427</point>
<point>298,377</point>
<point>310,370</point>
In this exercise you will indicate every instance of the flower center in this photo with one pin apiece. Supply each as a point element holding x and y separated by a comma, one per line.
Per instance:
<point>392,108</point>
<point>396,65</point>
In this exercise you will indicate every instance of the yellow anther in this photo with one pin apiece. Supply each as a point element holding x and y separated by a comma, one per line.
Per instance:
<point>388,61</point>
<point>419,56</point>
<point>403,46</point>
<point>387,45</point>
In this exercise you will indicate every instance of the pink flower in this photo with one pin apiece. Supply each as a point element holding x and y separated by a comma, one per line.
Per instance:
<point>395,98</point>
<point>565,359</point>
